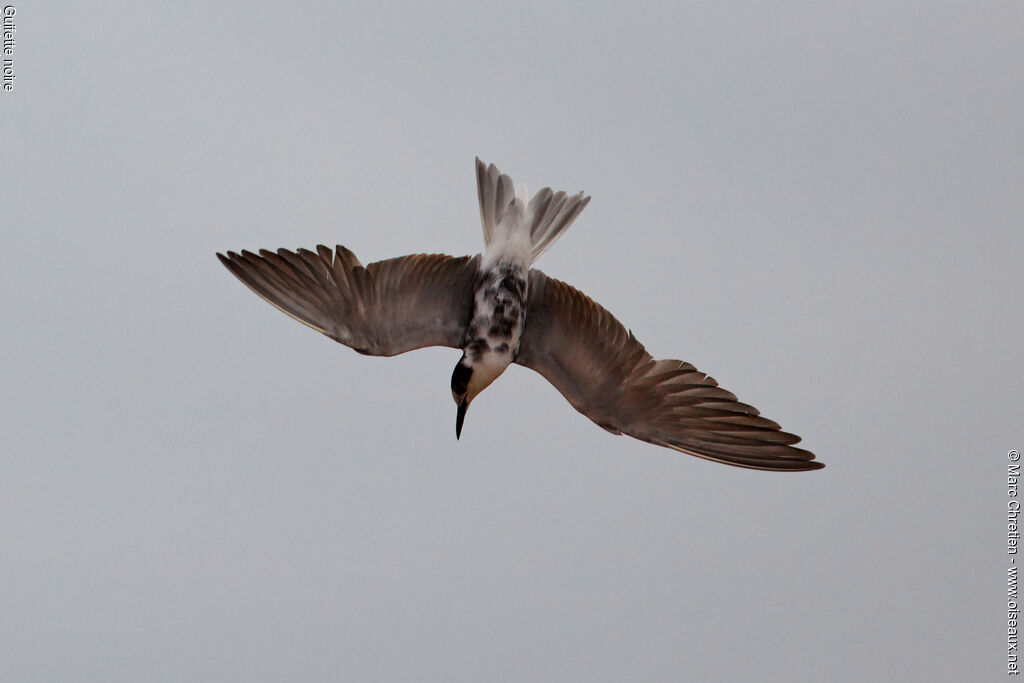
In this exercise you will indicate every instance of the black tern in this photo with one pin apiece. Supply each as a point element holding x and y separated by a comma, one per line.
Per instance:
<point>498,311</point>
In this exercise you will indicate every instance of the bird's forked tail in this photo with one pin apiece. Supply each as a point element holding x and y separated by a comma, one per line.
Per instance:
<point>549,213</point>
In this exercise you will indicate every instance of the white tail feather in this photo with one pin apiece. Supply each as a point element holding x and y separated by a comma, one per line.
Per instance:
<point>549,214</point>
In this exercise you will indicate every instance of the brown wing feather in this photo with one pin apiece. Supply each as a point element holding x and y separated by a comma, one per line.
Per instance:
<point>606,374</point>
<point>384,309</point>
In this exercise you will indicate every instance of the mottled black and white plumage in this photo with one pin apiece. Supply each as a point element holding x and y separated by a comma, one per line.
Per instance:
<point>499,311</point>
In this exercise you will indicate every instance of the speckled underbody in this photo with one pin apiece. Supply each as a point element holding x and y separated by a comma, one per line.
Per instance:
<point>498,314</point>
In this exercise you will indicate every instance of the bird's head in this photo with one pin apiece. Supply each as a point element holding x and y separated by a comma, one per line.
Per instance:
<point>462,377</point>
<point>468,380</point>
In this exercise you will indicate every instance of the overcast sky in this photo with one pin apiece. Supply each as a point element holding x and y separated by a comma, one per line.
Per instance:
<point>820,205</point>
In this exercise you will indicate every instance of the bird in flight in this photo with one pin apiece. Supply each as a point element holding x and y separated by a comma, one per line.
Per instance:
<point>499,310</point>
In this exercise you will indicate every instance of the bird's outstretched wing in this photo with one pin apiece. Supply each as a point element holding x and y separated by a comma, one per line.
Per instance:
<point>607,375</point>
<point>388,307</point>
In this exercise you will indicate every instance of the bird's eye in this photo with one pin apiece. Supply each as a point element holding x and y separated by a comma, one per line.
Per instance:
<point>460,379</point>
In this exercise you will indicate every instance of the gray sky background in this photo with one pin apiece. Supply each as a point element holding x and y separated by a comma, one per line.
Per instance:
<point>820,205</point>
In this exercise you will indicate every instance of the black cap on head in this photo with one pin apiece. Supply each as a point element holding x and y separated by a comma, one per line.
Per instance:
<point>460,378</point>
